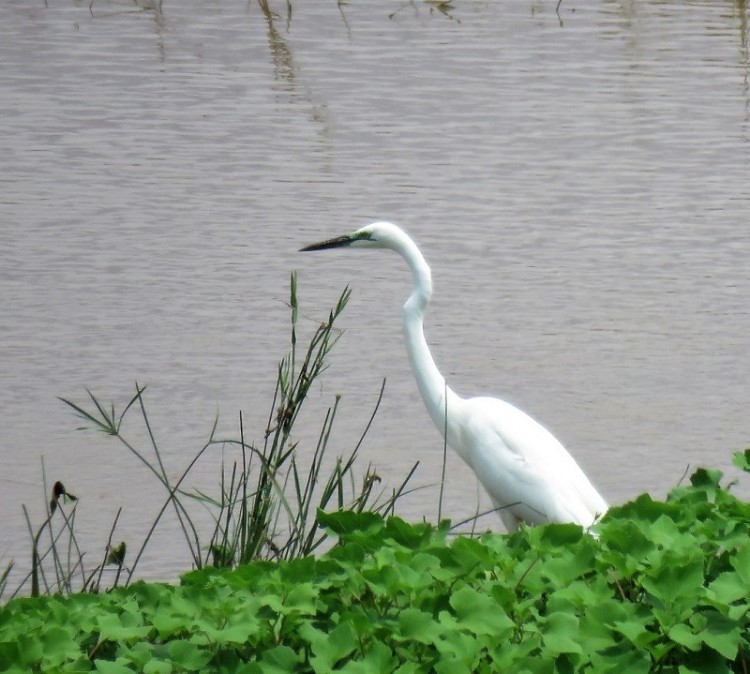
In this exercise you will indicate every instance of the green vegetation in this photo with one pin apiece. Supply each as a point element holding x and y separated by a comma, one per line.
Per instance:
<point>657,587</point>
<point>663,587</point>
<point>267,499</point>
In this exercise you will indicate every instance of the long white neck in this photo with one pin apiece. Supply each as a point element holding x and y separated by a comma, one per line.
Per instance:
<point>438,397</point>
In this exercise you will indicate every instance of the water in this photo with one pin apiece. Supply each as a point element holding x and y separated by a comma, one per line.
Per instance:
<point>578,182</point>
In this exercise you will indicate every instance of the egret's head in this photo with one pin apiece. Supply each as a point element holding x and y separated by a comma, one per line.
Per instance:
<point>375,235</point>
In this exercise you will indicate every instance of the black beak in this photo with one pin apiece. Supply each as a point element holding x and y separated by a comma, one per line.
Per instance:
<point>338,242</point>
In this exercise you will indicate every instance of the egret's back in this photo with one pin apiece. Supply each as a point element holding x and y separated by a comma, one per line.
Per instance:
<point>523,467</point>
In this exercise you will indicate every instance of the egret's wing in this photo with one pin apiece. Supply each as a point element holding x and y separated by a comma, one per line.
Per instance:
<point>520,462</point>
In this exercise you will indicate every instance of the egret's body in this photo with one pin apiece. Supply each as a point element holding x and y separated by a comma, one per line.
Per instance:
<point>528,474</point>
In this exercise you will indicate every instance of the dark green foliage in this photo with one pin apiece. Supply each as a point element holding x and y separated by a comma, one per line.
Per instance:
<point>664,587</point>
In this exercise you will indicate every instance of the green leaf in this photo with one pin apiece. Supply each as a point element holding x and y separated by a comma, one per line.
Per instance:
<point>59,645</point>
<point>708,479</point>
<point>417,625</point>
<point>239,627</point>
<point>636,632</point>
<point>479,614</point>
<point>119,666</point>
<point>677,581</point>
<point>329,648</point>
<point>597,634</point>
<point>459,651</point>
<point>157,667</point>
<point>704,662</point>
<point>398,576</point>
<point>668,535</point>
<point>643,508</point>
<point>624,536</point>
<point>561,633</point>
<point>742,460</point>
<point>377,660</point>
<point>141,654</point>
<point>447,665</point>
<point>409,535</point>
<point>683,635</point>
<point>188,655</point>
<point>719,632</point>
<point>123,627</point>
<point>564,568</point>
<point>279,660</point>
<point>301,599</point>
<point>469,554</point>
<point>728,587</point>
<point>344,522</point>
<point>555,536</point>
<point>741,563</point>
<point>408,668</point>
<point>28,649</point>
<point>273,601</point>
<point>16,669</point>
<point>621,660</point>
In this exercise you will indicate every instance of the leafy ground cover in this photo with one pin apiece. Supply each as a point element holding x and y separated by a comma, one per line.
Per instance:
<point>661,587</point>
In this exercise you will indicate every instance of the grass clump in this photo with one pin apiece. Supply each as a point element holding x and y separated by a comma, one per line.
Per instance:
<point>664,587</point>
<point>266,502</point>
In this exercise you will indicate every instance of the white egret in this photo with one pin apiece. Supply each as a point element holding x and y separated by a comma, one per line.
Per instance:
<point>528,474</point>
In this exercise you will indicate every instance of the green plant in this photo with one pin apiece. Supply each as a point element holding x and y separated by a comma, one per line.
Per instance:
<point>266,505</point>
<point>4,575</point>
<point>664,588</point>
<point>63,550</point>
<point>253,504</point>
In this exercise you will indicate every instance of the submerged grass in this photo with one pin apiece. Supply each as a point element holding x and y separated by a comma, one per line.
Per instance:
<point>266,505</point>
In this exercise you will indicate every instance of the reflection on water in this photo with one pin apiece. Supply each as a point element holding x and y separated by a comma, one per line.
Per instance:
<point>280,51</point>
<point>577,179</point>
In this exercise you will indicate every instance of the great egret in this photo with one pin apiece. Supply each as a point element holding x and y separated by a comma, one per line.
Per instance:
<point>528,474</point>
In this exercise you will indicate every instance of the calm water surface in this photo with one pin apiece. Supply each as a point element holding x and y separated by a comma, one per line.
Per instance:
<point>578,182</point>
